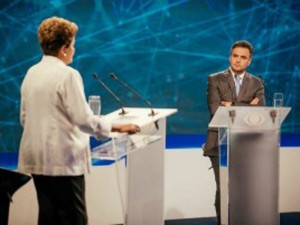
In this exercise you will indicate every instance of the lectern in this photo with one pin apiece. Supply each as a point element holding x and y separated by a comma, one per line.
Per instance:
<point>10,182</point>
<point>249,142</point>
<point>144,172</point>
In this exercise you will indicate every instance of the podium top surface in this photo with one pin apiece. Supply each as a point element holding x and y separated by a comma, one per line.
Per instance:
<point>250,116</point>
<point>139,116</point>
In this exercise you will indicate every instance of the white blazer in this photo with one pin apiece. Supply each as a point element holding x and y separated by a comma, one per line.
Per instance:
<point>56,121</point>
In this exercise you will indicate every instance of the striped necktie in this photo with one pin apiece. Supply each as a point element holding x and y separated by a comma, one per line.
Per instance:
<point>237,81</point>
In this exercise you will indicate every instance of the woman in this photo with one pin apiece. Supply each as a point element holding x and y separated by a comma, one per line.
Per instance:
<point>57,120</point>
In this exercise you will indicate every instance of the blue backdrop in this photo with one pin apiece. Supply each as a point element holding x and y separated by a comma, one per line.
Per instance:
<point>165,49</point>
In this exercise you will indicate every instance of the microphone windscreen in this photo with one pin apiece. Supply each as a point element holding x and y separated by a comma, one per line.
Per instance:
<point>95,76</point>
<point>113,76</point>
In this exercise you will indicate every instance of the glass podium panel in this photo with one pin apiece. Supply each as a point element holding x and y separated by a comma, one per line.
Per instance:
<point>249,117</point>
<point>249,141</point>
<point>143,200</point>
<point>119,145</point>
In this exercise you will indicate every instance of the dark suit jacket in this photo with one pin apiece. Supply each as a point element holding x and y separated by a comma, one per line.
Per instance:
<point>221,87</point>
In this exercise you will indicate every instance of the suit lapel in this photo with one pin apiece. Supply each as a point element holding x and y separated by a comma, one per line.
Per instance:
<point>230,82</point>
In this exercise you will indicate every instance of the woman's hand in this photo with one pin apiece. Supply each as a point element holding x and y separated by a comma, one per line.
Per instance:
<point>126,128</point>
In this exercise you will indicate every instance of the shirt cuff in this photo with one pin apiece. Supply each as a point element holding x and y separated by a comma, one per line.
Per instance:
<point>103,129</point>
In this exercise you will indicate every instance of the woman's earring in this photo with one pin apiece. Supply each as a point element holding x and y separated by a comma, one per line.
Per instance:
<point>65,54</point>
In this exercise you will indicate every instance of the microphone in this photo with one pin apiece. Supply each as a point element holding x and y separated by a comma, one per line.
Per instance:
<point>114,76</point>
<point>232,115</point>
<point>273,115</point>
<point>113,94</point>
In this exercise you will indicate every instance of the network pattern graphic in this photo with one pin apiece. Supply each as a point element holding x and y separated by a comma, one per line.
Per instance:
<point>164,49</point>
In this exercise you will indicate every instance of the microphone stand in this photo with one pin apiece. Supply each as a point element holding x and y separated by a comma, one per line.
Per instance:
<point>123,112</point>
<point>113,76</point>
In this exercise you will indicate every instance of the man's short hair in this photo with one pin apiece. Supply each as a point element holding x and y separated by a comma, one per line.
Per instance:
<point>243,44</point>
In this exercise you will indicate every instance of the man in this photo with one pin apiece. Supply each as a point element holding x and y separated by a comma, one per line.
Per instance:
<point>232,87</point>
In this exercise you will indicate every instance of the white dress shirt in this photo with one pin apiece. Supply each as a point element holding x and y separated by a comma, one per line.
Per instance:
<point>56,121</point>
<point>241,76</point>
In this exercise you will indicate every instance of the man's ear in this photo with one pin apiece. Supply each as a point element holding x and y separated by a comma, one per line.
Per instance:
<point>249,62</point>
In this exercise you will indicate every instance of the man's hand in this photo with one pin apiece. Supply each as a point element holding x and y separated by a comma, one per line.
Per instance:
<point>126,128</point>
<point>226,103</point>
<point>254,101</point>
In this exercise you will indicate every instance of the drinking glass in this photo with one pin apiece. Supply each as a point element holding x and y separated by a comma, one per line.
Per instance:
<point>278,100</point>
<point>95,104</point>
